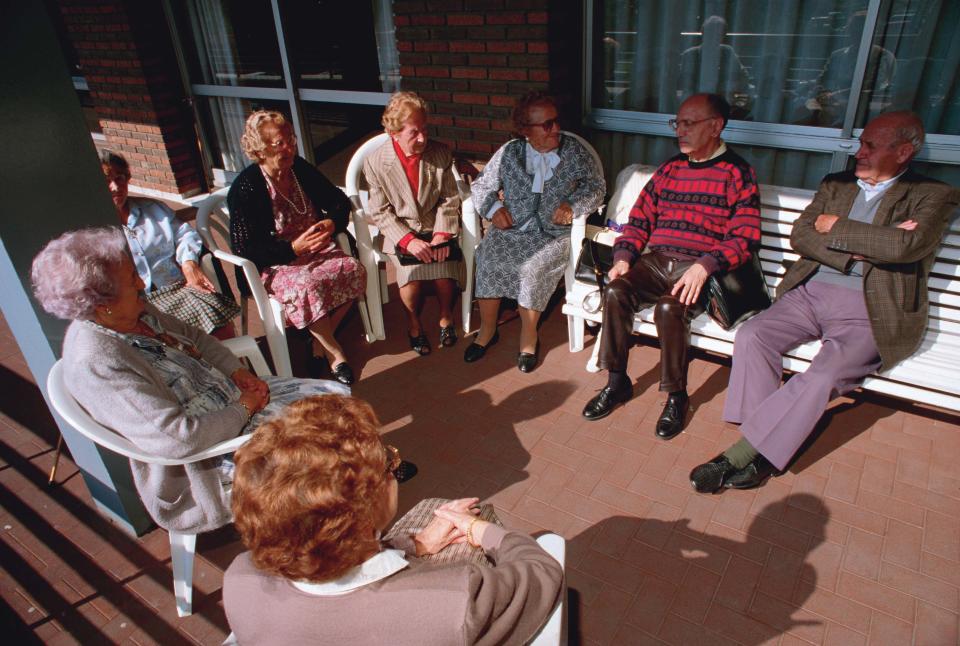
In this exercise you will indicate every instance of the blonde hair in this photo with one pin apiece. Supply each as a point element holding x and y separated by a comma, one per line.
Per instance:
<point>251,140</point>
<point>401,106</point>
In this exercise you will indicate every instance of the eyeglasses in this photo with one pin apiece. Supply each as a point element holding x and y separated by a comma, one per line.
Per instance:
<point>393,458</point>
<point>686,124</point>
<point>280,143</point>
<point>546,125</point>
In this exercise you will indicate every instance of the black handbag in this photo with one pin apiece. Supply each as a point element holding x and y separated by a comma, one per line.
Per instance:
<point>407,259</point>
<point>735,296</point>
<point>594,262</point>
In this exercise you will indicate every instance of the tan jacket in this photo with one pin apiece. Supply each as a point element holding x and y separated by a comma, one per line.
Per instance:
<point>421,604</point>
<point>391,203</point>
<point>897,262</point>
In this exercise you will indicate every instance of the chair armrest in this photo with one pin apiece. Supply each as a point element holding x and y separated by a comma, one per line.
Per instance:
<point>221,448</point>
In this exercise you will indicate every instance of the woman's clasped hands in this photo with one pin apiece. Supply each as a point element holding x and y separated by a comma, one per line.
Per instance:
<point>452,524</point>
<point>254,392</point>
<point>316,238</point>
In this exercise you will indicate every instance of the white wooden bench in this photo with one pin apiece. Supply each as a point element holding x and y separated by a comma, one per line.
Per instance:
<point>930,376</point>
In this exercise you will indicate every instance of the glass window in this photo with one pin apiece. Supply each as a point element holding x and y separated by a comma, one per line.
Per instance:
<point>919,51</point>
<point>790,65</point>
<point>325,55</point>
<point>797,168</point>
<point>229,42</point>
<point>337,130</point>
<point>223,120</point>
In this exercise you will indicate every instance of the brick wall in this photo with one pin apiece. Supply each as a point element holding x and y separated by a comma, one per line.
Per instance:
<point>129,64</point>
<point>471,59</point>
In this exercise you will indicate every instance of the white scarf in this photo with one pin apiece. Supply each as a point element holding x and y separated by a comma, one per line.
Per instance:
<point>541,166</point>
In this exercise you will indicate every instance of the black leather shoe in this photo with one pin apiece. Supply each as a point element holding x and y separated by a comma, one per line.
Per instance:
<point>475,351</point>
<point>526,361</point>
<point>673,415</point>
<point>604,403</point>
<point>343,373</point>
<point>448,336</point>
<point>710,477</point>
<point>752,475</point>
<point>419,343</point>
<point>405,471</point>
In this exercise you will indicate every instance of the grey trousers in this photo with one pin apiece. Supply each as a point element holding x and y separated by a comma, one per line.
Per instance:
<point>777,419</point>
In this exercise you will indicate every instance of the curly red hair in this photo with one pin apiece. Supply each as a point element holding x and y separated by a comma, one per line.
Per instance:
<point>308,488</point>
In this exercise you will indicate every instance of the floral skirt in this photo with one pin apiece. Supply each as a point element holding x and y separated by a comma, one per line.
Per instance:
<point>313,285</point>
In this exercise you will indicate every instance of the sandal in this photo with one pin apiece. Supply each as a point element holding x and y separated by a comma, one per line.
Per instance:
<point>448,336</point>
<point>420,344</point>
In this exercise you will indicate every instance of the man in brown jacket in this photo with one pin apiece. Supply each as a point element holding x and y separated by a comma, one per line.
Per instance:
<point>867,242</point>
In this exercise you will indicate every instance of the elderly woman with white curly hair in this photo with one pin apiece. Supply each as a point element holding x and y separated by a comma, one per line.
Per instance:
<point>284,215</point>
<point>167,387</point>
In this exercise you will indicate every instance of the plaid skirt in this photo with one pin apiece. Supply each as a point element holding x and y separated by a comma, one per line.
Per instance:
<point>417,518</point>
<point>204,310</point>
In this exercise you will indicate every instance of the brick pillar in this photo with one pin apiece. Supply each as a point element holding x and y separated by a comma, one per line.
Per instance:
<point>127,57</point>
<point>471,59</point>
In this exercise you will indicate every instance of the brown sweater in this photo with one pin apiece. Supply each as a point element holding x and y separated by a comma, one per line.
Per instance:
<point>421,604</point>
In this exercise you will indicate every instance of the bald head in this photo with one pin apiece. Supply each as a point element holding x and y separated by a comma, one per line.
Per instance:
<point>700,120</point>
<point>887,145</point>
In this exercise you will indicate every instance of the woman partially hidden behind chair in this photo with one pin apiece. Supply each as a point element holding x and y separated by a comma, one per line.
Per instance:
<point>169,388</point>
<point>283,216</point>
<point>166,253</point>
<point>313,491</point>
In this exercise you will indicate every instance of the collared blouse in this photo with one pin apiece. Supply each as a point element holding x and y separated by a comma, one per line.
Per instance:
<point>159,242</point>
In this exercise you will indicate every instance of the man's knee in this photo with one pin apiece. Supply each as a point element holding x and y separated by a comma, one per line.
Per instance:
<point>668,308</point>
<point>617,293</point>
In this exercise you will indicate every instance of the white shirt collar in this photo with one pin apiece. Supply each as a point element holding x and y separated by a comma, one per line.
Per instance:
<point>872,191</point>
<point>379,566</point>
<point>541,166</point>
<point>722,148</point>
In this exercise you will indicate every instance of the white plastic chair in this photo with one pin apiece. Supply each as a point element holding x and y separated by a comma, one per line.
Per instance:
<point>371,256</point>
<point>182,546</point>
<point>212,216</point>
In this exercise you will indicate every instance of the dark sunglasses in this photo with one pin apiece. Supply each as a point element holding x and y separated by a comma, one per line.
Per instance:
<point>546,125</point>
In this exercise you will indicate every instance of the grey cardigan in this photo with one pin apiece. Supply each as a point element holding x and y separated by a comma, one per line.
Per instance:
<point>117,386</point>
<point>456,604</point>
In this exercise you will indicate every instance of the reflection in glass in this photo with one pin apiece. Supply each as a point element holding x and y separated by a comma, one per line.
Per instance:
<point>223,119</point>
<point>772,61</point>
<point>924,38</point>
<point>796,168</point>
<point>342,45</point>
<point>336,130</point>
<point>229,42</point>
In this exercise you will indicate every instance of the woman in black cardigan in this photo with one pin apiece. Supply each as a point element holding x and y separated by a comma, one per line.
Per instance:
<point>283,216</point>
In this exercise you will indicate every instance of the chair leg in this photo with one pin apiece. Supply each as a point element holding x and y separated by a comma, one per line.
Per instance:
<point>555,630</point>
<point>182,549</point>
<point>365,319</point>
<point>595,355</point>
<point>56,461</point>
<point>575,332</point>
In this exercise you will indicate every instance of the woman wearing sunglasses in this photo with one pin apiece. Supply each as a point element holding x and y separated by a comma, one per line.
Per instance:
<point>313,492</point>
<point>531,190</point>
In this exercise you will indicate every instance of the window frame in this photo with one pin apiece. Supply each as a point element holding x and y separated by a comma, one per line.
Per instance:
<point>291,92</point>
<point>842,142</point>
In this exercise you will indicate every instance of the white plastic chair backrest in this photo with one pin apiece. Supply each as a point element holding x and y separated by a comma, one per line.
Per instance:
<point>590,148</point>
<point>630,181</point>
<point>352,181</point>
<point>68,408</point>
<point>207,224</point>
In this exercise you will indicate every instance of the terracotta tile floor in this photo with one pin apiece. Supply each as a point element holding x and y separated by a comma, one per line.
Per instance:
<point>859,542</point>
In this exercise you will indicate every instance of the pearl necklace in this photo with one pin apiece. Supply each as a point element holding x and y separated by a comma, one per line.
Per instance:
<point>298,192</point>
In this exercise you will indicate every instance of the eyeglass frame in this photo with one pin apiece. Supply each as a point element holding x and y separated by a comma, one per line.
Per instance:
<point>687,123</point>
<point>393,459</point>
<point>280,143</point>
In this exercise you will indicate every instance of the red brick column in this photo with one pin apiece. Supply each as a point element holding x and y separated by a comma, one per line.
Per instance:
<point>471,59</point>
<point>127,58</point>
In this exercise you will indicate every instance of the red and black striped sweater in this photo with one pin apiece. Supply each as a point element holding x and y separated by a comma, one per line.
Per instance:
<point>706,210</point>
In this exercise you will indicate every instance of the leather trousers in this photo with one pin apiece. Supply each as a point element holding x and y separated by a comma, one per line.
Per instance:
<point>649,281</point>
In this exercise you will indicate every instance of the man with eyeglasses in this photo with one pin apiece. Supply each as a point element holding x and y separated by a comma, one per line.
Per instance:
<point>698,215</point>
<point>867,243</point>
